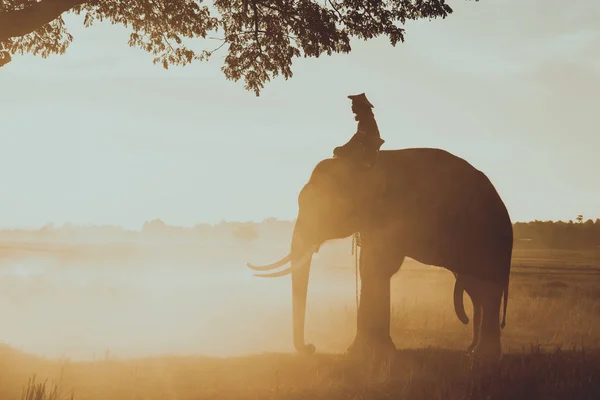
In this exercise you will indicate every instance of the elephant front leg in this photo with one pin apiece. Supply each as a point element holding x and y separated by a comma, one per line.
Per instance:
<point>373,338</point>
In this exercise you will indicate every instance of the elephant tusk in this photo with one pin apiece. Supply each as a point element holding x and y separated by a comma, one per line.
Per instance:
<point>284,272</point>
<point>301,264</point>
<point>269,267</point>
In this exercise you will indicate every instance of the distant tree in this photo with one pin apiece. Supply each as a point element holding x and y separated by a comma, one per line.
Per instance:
<point>154,226</point>
<point>262,37</point>
<point>246,233</point>
<point>48,227</point>
<point>557,234</point>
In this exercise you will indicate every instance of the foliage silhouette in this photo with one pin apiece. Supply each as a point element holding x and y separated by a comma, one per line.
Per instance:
<point>262,37</point>
<point>559,234</point>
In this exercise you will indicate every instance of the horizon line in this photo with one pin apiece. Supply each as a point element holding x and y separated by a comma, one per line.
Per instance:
<point>54,225</point>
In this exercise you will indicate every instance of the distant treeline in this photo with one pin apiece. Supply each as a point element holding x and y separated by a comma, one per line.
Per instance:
<point>538,234</point>
<point>558,235</point>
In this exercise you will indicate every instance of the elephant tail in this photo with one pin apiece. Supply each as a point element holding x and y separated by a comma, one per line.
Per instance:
<point>459,304</point>
<point>505,295</point>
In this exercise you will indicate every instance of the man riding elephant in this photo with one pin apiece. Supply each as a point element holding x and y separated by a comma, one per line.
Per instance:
<point>364,145</point>
<point>361,150</point>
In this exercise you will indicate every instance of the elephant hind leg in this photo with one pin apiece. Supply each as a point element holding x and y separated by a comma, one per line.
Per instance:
<point>477,311</point>
<point>490,296</point>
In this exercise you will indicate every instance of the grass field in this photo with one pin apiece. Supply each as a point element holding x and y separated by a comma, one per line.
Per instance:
<point>551,345</point>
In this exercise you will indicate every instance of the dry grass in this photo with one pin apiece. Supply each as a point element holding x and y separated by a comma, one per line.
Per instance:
<point>416,374</point>
<point>41,391</point>
<point>551,344</point>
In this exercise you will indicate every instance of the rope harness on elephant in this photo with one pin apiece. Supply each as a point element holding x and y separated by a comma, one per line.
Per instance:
<point>355,246</point>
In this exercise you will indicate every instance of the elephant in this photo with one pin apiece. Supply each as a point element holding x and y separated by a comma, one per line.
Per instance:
<point>424,203</point>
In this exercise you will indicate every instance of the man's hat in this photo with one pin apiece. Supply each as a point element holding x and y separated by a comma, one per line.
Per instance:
<point>361,99</point>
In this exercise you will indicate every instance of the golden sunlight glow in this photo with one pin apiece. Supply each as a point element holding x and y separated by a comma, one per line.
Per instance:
<point>123,260</point>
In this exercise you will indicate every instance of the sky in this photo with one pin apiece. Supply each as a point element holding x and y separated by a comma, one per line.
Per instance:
<point>100,135</point>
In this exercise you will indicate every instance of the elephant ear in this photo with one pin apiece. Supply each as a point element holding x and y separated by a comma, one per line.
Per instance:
<point>371,185</point>
<point>357,181</point>
<point>378,181</point>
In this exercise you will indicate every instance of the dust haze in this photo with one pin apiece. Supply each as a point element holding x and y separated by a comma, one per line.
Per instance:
<point>83,298</point>
<point>173,312</point>
<point>81,293</point>
<point>86,293</point>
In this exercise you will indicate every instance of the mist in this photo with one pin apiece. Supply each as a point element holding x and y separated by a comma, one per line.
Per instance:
<point>85,301</point>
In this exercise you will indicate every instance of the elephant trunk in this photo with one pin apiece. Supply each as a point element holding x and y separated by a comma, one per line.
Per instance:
<point>459,305</point>
<point>299,292</point>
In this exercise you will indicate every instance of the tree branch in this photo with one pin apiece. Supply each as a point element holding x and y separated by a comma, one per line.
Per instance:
<point>336,10</point>
<point>22,22</point>
<point>255,9</point>
<point>4,58</point>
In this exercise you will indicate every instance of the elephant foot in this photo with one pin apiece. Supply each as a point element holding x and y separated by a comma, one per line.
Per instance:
<point>306,350</point>
<point>487,353</point>
<point>471,347</point>
<point>376,349</point>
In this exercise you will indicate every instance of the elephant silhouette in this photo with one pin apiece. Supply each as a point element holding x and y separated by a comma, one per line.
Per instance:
<point>422,203</point>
